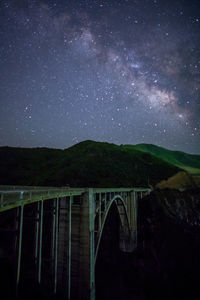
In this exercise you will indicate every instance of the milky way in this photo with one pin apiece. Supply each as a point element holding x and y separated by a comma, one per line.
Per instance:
<point>125,72</point>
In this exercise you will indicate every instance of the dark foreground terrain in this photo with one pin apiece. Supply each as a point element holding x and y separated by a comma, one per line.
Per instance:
<point>166,264</point>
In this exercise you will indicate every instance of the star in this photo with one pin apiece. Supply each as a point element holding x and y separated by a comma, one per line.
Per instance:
<point>124,72</point>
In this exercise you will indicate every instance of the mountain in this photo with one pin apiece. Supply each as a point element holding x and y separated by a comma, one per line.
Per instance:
<point>85,164</point>
<point>187,162</point>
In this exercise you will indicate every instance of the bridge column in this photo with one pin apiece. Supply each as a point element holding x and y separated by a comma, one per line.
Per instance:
<point>99,214</point>
<point>92,244</point>
<point>87,248</point>
<point>19,243</point>
<point>38,239</point>
<point>135,210</point>
<point>40,242</point>
<point>69,247</point>
<point>55,241</point>
<point>125,242</point>
<point>133,218</point>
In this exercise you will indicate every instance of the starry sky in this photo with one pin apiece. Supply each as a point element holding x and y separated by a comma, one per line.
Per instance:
<point>124,72</point>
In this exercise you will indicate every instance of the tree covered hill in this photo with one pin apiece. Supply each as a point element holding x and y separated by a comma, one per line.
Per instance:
<point>187,162</point>
<point>88,163</point>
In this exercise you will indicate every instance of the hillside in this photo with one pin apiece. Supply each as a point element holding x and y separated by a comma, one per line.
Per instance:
<point>85,164</point>
<point>187,162</point>
<point>168,244</point>
<point>180,181</point>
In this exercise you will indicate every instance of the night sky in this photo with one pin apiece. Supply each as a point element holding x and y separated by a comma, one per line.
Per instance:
<point>124,72</point>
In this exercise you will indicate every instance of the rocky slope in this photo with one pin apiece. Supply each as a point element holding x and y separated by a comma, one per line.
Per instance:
<point>166,264</point>
<point>169,244</point>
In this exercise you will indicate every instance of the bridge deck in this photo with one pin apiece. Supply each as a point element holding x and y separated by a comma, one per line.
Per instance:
<point>14,196</point>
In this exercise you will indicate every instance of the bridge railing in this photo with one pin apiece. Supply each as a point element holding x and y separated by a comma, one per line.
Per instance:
<point>16,197</point>
<point>13,196</point>
<point>25,187</point>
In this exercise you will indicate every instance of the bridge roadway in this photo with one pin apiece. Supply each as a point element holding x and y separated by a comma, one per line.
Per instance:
<point>55,233</point>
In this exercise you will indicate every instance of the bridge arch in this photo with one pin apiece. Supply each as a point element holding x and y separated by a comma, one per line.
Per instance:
<point>123,216</point>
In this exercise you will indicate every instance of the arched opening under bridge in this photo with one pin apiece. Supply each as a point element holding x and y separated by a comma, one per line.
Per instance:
<point>108,275</point>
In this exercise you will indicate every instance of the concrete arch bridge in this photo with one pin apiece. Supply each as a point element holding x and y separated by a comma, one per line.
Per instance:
<point>50,237</point>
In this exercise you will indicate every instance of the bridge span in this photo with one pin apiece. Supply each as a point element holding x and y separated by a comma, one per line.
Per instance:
<point>50,237</point>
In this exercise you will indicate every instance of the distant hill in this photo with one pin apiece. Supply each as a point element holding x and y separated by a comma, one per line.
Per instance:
<point>187,162</point>
<point>85,164</point>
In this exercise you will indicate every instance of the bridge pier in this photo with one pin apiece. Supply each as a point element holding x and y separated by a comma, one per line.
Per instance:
<point>39,255</point>
<point>86,269</point>
<point>20,211</point>
<point>55,242</point>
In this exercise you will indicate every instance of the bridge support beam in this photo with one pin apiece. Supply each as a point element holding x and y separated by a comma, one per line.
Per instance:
<point>69,247</point>
<point>19,242</point>
<point>55,241</point>
<point>92,244</point>
<point>128,240</point>
<point>86,276</point>
<point>133,217</point>
<point>133,220</point>
<point>40,241</point>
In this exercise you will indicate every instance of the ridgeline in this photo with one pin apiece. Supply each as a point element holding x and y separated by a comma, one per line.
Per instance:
<point>88,163</point>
